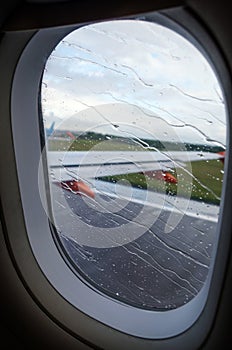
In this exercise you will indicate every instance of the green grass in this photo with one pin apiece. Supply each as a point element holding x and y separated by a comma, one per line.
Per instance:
<point>210,177</point>
<point>94,145</point>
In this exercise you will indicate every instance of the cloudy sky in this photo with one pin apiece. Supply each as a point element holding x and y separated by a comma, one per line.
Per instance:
<point>141,77</point>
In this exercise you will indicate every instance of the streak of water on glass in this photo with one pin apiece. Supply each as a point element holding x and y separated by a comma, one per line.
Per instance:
<point>141,123</point>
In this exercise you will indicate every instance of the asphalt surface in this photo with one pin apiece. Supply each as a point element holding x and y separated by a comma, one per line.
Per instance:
<point>120,251</point>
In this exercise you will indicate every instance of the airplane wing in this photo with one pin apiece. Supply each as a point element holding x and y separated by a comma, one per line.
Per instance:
<point>73,167</point>
<point>93,164</point>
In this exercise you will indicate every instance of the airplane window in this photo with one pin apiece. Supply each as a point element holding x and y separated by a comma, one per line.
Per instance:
<point>135,137</point>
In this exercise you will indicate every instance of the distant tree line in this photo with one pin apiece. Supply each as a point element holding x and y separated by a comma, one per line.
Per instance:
<point>156,144</point>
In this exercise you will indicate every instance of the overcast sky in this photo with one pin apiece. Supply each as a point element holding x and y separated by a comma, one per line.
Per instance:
<point>140,76</point>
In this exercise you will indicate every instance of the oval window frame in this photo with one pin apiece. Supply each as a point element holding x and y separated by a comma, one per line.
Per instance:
<point>159,328</point>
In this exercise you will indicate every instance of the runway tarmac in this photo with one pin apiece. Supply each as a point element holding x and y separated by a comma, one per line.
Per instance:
<point>119,246</point>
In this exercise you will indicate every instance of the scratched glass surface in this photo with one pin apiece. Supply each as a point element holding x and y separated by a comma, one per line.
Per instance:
<point>135,125</point>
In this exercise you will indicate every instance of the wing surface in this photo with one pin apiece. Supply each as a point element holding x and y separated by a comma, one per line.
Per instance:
<point>95,164</point>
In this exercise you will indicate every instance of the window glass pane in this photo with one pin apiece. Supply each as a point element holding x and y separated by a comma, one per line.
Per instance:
<point>135,128</point>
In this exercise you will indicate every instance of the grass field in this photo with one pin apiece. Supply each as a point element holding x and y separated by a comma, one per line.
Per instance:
<point>86,145</point>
